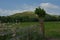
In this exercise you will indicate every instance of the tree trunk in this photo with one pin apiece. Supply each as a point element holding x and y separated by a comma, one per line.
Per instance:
<point>42,28</point>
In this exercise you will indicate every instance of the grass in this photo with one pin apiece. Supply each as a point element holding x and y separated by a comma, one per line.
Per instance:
<point>52,29</point>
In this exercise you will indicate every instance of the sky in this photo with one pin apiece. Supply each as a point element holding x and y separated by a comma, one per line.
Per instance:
<point>10,7</point>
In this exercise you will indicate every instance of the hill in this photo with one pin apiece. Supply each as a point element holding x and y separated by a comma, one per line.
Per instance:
<point>23,14</point>
<point>27,16</point>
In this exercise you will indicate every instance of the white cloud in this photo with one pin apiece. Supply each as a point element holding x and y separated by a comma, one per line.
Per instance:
<point>48,5</point>
<point>25,7</point>
<point>28,7</point>
<point>51,8</point>
<point>4,12</point>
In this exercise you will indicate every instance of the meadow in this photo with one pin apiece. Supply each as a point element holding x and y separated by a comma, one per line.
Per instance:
<point>52,29</point>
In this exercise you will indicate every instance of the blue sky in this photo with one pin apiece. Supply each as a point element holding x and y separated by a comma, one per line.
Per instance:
<point>9,7</point>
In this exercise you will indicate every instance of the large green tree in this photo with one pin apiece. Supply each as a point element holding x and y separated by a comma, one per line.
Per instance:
<point>41,14</point>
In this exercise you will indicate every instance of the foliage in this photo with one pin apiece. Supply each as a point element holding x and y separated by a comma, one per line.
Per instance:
<point>27,17</point>
<point>22,33</point>
<point>31,28</point>
<point>40,12</point>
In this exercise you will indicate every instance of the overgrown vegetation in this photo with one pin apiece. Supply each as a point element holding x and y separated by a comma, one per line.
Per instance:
<point>30,29</point>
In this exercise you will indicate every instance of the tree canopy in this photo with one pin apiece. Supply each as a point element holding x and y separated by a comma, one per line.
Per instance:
<point>40,12</point>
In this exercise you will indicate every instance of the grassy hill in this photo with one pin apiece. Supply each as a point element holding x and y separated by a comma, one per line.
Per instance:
<point>27,16</point>
<point>23,14</point>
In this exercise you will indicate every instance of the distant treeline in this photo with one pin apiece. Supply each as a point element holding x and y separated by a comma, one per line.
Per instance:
<point>26,17</point>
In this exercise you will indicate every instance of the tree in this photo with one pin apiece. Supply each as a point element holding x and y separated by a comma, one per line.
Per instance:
<point>41,14</point>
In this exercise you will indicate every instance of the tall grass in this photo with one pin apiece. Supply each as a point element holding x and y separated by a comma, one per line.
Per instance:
<point>17,32</point>
<point>28,31</point>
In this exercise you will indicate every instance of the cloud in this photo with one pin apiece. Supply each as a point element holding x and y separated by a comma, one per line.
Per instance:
<point>25,7</point>
<point>51,8</point>
<point>28,7</point>
<point>48,5</point>
<point>4,12</point>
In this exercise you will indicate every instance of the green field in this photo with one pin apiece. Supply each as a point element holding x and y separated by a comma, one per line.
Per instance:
<point>52,29</point>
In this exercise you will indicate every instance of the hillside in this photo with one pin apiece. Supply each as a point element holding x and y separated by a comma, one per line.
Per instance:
<point>27,16</point>
<point>23,14</point>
